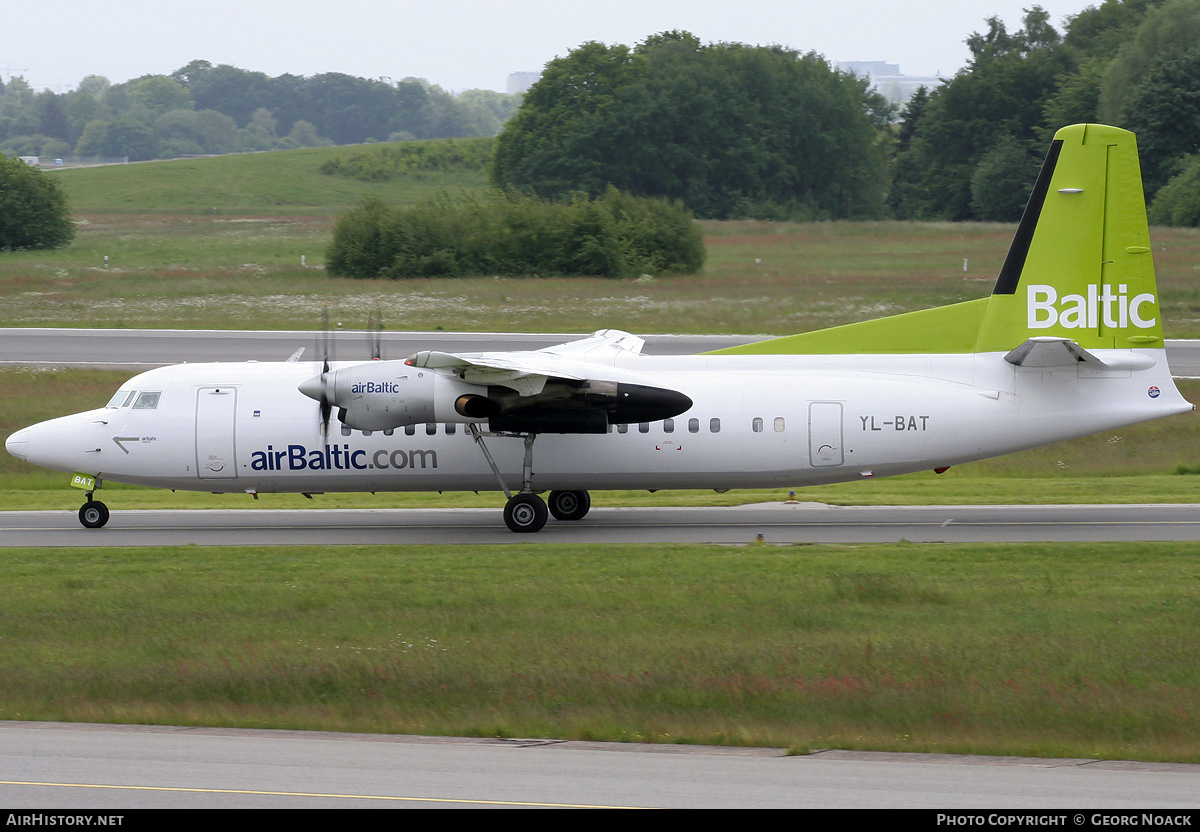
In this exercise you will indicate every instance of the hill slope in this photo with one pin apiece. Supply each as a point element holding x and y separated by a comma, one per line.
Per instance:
<point>278,182</point>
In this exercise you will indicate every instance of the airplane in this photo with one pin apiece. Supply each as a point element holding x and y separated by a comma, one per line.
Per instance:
<point>1068,343</point>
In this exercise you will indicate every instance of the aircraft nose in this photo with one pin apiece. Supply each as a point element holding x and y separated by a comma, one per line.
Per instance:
<point>17,444</point>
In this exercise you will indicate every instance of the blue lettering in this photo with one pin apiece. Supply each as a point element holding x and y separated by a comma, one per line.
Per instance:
<point>340,458</point>
<point>296,457</point>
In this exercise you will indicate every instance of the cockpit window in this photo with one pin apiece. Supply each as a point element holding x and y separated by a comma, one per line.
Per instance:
<point>147,401</point>
<point>122,398</point>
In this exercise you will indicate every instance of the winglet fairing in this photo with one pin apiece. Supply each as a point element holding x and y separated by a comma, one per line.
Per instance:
<point>1068,343</point>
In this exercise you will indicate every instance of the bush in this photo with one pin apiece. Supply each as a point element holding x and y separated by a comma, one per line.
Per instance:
<point>392,161</point>
<point>616,235</point>
<point>33,208</point>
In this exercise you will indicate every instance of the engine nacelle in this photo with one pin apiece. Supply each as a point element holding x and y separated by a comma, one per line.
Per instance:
<point>390,394</point>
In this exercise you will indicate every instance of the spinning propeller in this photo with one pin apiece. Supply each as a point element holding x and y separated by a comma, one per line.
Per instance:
<point>321,387</point>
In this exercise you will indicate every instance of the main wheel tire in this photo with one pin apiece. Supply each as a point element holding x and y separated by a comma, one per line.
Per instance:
<point>93,514</point>
<point>525,513</point>
<point>569,505</point>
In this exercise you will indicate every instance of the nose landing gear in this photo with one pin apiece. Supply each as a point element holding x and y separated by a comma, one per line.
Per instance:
<point>93,514</point>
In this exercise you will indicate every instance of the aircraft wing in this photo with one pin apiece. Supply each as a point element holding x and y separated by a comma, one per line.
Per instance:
<point>576,387</point>
<point>527,372</point>
<point>1050,351</point>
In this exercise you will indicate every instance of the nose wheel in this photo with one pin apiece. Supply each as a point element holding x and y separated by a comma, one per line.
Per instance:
<point>93,514</point>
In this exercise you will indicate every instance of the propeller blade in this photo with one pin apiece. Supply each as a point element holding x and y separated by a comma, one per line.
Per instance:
<point>375,333</point>
<point>325,348</point>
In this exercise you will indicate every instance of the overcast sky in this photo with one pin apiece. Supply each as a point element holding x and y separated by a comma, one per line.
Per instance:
<point>462,44</point>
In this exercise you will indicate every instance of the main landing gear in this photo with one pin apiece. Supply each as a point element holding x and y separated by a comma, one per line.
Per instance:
<point>93,514</point>
<point>526,512</point>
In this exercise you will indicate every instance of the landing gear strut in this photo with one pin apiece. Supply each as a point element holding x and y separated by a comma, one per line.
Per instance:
<point>526,512</point>
<point>93,514</point>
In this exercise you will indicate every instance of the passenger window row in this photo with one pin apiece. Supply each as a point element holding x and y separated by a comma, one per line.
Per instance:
<point>431,429</point>
<point>668,426</point>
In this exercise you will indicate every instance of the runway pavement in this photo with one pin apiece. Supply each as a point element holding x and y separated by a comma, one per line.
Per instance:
<point>80,766</point>
<point>778,523</point>
<point>141,349</point>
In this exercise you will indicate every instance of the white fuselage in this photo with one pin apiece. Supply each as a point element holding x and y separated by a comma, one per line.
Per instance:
<point>756,421</point>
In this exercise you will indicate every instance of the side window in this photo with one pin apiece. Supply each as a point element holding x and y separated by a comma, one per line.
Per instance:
<point>757,424</point>
<point>410,430</point>
<point>714,425</point>
<point>622,428</point>
<point>643,427</point>
<point>668,425</point>
<point>693,425</point>
<point>450,429</point>
<point>431,428</point>
<point>779,424</point>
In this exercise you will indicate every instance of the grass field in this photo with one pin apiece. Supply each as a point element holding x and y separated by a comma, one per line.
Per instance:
<point>219,243</point>
<point>1047,650</point>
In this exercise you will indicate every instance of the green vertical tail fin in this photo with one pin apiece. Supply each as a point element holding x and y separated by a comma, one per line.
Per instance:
<point>1080,265</point>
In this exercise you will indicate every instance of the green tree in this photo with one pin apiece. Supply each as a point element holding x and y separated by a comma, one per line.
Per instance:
<point>729,129</point>
<point>159,94</point>
<point>33,209</point>
<point>1166,32</point>
<point>1178,202</point>
<point>1003,91</point>
<point>208,130</point>
<point>1164,111</point>
<point>1002,181</point>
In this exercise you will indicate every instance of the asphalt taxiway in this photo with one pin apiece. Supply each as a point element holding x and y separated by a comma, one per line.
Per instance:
<point>142,349</point>
<point>81,766</point>
<point>766,523</point>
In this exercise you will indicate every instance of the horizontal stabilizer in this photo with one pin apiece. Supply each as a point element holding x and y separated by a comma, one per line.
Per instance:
<point>1049,351</point>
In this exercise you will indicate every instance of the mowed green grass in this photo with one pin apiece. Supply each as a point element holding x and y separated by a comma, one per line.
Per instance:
<point>1044,650</point>
<point>281,182</point>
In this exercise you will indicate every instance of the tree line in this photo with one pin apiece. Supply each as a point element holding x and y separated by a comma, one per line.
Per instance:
<point>724,130</point>
<point>740,131</point>
<point>206,109</point>
<point>970,149</point>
